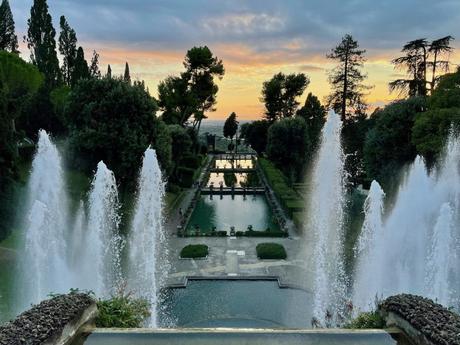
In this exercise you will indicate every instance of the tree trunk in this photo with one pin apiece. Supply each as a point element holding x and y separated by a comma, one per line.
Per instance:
<point>345,88</point>
<point>433,77</point>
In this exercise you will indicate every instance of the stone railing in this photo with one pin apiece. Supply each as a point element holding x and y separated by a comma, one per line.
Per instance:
<point>58,320</point>
<point>424,321</point>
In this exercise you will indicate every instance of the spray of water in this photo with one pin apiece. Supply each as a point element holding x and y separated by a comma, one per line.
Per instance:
<point>145,270</point>
<point>101,264</point>
<point>44,265</point>
<point>325,221</point>
<point>415,250</point>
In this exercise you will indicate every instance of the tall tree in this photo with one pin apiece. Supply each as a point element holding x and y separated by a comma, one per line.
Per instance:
<point>346,79</point>
<point>127,76</point>
<point>94,71</point>
<point>176,100</point>
<point>230,128</point>
<point>109,72</point>
<point>415,63</point>
<point>314,114</point>
<point>68,49</point>
<point>280,94</point>
<point>438,47</point>
<point>8,38</point>
<point>81,70</point>
<point>201,66</point>
<point>41,42</point>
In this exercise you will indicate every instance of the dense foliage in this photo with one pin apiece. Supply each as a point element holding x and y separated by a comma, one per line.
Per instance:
<point>367,320</point>
<point>19,81</point>
<point>8,38</point>
<point>287,143</point>
<point>114,121</point>
<point>255,134</point>
<point>388,145</point>
<point>271,251</point>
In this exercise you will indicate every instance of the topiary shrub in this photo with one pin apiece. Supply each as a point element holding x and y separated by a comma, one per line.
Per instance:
<point>193,251</point>
<point>271,251</point>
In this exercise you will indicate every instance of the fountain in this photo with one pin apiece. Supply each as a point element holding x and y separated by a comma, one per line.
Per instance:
<point>44,266</point>
<point>415,249</point>
<point>100,265</point>
<point>325,222</point>
<point>147,233</point>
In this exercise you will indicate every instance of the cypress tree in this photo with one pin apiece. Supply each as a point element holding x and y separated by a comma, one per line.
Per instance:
<point>68,49</point>
<point>127,76</point>
<point>41,42</point>
<point>109,72</point>
<point>8,38</point>
<point>94,71</point>
<point>81,70</point>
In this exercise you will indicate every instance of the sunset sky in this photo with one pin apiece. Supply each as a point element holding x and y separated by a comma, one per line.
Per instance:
<point>254,38</point>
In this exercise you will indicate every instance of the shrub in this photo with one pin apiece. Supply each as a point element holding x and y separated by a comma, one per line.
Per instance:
<point>270,251</point>
<point>122,312</point>
<point>367,320</point>
<point>266,233</point>
<point>186,176</point>
<point>193,251</point>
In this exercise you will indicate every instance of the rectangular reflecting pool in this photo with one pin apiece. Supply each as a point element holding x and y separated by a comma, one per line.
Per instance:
<point>235,312</point>
<point>238,211</point>
<point>236,303</point>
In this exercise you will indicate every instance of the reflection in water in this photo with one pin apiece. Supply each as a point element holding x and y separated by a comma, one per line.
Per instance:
<point>238,211</point>
<point>242,180</point>
<point>234,164</point>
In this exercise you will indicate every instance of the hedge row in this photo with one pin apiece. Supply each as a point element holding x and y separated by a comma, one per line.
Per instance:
<point>249,233</point>
<point>289,199</point>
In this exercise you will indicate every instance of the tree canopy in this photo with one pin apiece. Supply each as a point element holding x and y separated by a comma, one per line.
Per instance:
<point>280,93</point>
<point>113,121</point>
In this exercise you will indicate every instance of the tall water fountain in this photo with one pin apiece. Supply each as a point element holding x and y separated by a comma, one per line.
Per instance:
<point>147,233</point>
<point>44,267</point>
<point>416,248</point>
<point>100,263</point>
<point>325,221</point>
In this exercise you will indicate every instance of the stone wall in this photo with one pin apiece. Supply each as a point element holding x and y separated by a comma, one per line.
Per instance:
<point>54,321</point>
<point>424,321</point>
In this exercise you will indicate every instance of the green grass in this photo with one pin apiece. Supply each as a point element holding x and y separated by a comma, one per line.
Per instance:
<point>193,251</point>
<point>271,251</point>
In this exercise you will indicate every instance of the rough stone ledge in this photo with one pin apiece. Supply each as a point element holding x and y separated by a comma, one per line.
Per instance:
<point>54,321</point>
<point>423,320</point>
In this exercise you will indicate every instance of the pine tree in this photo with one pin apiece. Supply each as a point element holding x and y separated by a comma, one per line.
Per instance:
<point>41,42</point>
<point>127,76</point>
<point>438,47</point>
<point>68,49</point>
<point>346,79</point>
<point>8,38</point>
<point>109,72</point>
<point>94,71</point>
<point>81,70</point>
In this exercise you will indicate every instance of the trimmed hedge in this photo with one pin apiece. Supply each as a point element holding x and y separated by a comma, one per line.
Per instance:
<point>289,199</point>
<point>193,251</point>
<point>271,251</point>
